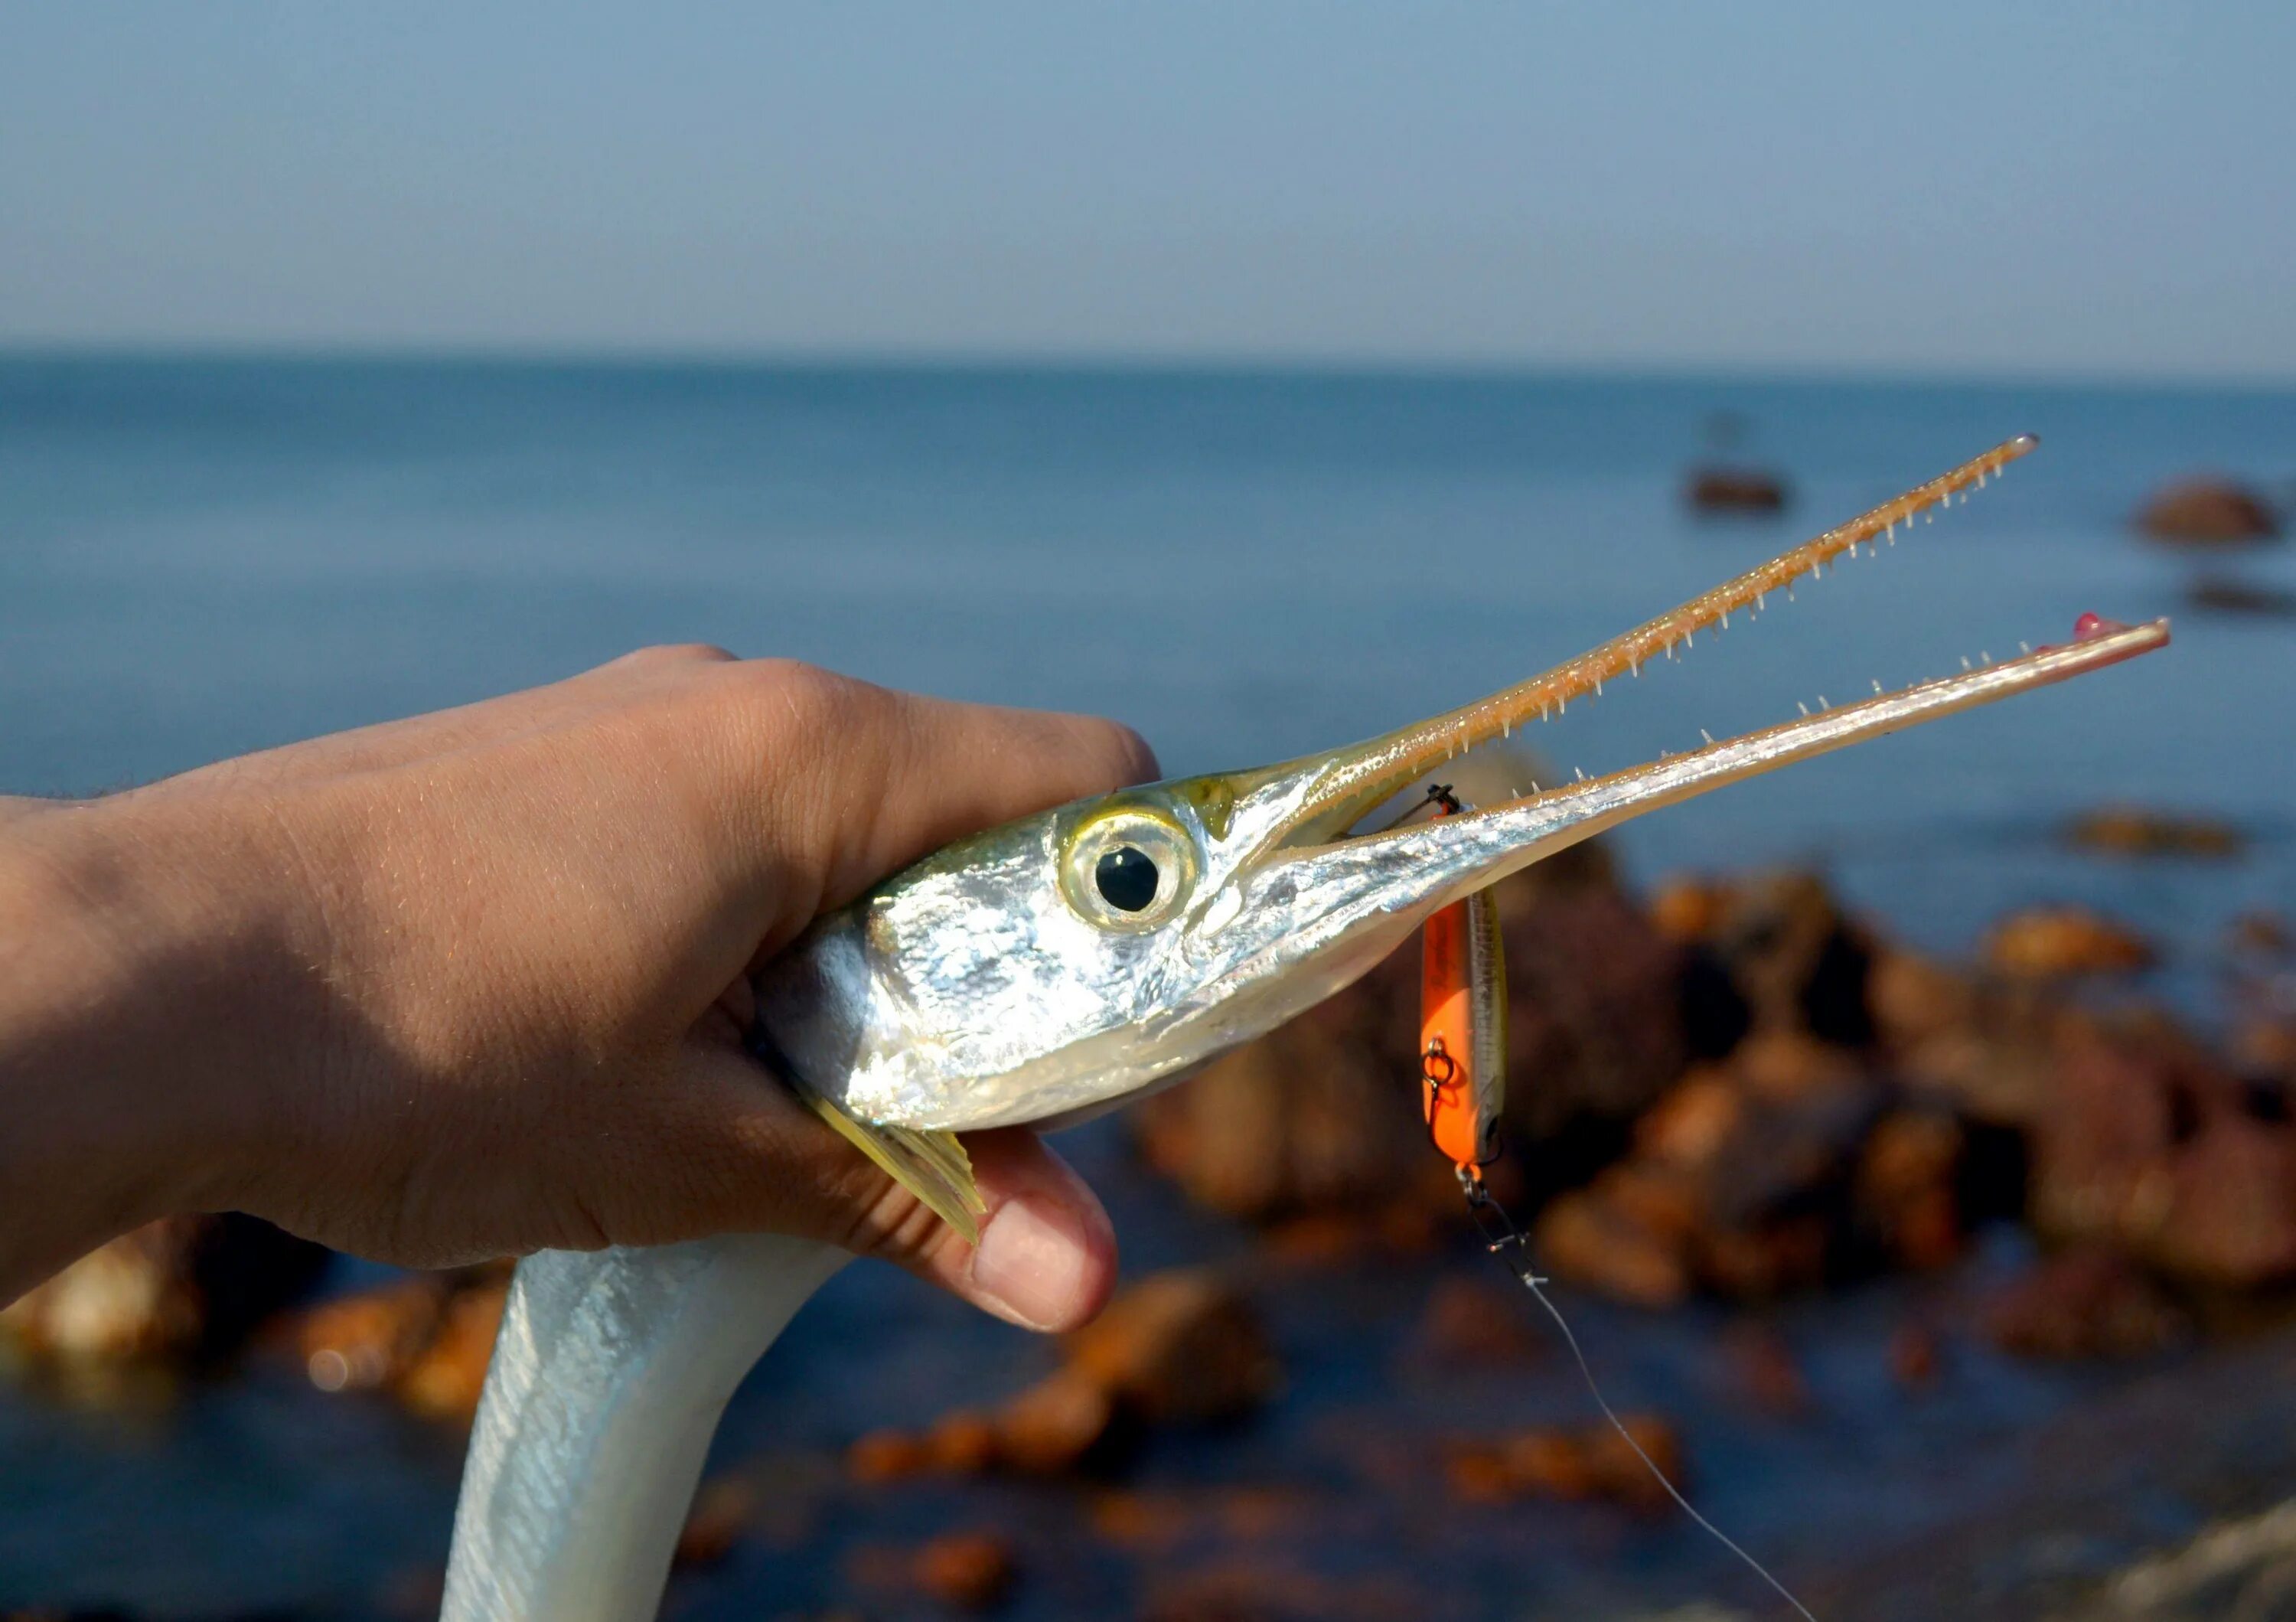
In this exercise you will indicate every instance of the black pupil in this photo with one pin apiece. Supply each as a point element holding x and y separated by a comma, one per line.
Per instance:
<point>1126,878</point>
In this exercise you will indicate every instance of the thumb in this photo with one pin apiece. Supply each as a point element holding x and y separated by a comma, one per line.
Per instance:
<point>1046,1257</point>
<point>750,1156</point>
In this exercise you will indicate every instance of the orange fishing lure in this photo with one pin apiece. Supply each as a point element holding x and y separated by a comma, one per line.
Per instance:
<point>1463,1025</point>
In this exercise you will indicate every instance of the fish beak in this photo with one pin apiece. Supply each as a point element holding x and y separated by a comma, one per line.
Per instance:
<point>1341,884</point>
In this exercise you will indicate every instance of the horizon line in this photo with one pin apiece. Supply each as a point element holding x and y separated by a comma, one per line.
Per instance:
<point>955,360</point>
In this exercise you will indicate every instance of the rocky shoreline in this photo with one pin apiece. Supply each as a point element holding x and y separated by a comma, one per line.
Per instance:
<point>1728,1096</point>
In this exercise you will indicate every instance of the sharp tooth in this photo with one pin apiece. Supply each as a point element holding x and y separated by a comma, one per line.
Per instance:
<point>1800,706</point>
<point>1877,690</point>
<point>1705,734</point>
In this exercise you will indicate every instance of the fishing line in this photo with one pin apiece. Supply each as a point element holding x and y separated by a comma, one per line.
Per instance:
<point>1501,1236</point>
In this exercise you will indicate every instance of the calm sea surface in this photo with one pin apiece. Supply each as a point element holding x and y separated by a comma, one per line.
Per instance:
<point>199,558</point>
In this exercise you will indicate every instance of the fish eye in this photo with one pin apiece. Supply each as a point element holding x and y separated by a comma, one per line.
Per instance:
<point>1129,869</point>
<point>1126,878</point>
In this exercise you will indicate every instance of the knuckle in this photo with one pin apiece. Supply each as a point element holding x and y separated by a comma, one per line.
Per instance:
<point>811,709</point>
<point>672,655</point>
<point>886,1222</point>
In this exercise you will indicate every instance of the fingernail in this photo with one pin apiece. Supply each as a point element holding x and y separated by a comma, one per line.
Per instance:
<point>1031,1264</point>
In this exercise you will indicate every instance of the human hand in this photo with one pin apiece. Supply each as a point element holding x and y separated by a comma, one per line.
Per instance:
<point>475,983</point>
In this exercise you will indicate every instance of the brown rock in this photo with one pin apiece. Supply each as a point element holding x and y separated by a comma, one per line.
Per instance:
<point>1984,1046</point>
<point>1691,1128</point>
<point>2223,594</point>
<point>1735,489</point>
<point>1687,909</point>
<point>1582,1238</point>
<point>2262,932</point>
<point>1469,1322</point>
<point>969,1570</point>
<point>1050,1428</point>
<point>2132,830</point>
<point>1178,1346</point>
<point>1916,1357</point>
<point>2085,1304</point>
<point>1800,963</point>
<point>2208,511</point>
<point>887,1455</point>
<point>2057,942</point>
<point>1764,1368</point>
<point>1787,1068</point>
<point>1624,1475</point>
<point>2264,1048</point>
<point>184,1289</point>
<point>1915,999</point>
<point>1152,1522</point>
<point>2148,1144</point>
<point>1547,1464</point>
<point>1905,1193</point>
<point>1769,1260</point>
<point>1315,1115</point>
<point>961,1443</point>
<point>1479,1475</point>
<point>1572,1463</point>
<point>721,1513</point>
<point>1257,1586</point>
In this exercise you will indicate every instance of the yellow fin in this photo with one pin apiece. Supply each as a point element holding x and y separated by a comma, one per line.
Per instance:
<point>930,1164</point>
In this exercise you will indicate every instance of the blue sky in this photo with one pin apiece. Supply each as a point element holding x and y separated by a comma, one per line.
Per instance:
<point>1936,188</point>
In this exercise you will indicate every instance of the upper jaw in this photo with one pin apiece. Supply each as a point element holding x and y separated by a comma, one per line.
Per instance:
<point>1414,869</point>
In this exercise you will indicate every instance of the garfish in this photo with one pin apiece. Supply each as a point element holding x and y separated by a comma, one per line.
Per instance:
<point>1045,972</point>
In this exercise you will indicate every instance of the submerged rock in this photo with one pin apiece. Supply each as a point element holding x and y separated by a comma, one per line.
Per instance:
<point>720,1516</point>
<point>1573,1463</point>
<point>2133,831</point>
<point>972,1571</point>
<point>2223,594</point>
<point>1180,1348</point>
<point>2089,1303</point>
<point>2207,511</point>
<point>1735,489</point>
<point>1469,1323</point>
<point>2058,942</point>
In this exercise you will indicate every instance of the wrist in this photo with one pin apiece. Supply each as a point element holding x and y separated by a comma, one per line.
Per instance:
<point>140,1050</point>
